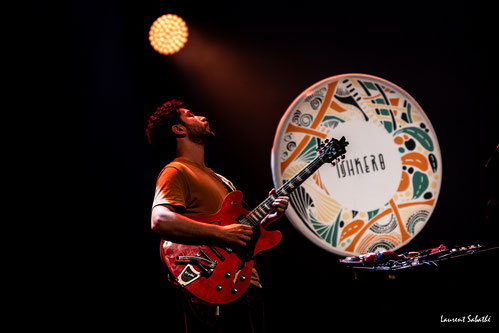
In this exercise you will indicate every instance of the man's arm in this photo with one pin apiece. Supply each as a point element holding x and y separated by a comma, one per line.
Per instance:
<point>181,229</point>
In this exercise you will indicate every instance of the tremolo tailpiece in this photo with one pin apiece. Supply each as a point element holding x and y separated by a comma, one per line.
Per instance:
<point>201,260</point>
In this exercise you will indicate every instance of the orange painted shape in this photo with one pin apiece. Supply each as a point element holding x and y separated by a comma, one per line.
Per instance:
<point>317,178</point>
<point>294,128</point>
<point>335,106</point>
<point>403,232</point>
<point>404,182</point>
<point>415,159</point>
<point>372,97</point>
<point>394,101</point>
<point>408,204</point>
<point>398,140</point>
<point>351,228</point>
<point>301,145</point>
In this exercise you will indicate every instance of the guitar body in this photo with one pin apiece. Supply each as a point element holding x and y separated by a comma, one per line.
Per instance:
<point>222,275</point>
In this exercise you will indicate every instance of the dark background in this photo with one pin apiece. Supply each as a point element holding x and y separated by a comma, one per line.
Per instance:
<point>241,68</point>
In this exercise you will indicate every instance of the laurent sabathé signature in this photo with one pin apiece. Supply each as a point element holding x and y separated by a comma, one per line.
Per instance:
<point>466,319</point>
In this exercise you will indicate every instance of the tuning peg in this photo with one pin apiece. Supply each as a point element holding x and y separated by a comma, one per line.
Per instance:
<point>326,141</point>
<point>342,157</point>
<point>333,163</point>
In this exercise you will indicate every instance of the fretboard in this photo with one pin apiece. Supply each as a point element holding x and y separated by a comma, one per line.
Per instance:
<point>257,214</point>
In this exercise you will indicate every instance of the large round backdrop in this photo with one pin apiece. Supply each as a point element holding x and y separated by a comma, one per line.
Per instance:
<point>385,189</point>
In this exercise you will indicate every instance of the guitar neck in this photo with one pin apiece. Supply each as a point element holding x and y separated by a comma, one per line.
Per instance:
<point>258,214</point>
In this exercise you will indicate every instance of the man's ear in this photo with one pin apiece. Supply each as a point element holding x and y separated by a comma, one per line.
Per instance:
<point>179,130</point>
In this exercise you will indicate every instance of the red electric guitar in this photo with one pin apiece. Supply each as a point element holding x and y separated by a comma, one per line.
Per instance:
<point>219,275</point>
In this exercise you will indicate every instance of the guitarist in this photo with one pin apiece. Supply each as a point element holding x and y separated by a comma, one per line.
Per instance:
<point>186,188</point>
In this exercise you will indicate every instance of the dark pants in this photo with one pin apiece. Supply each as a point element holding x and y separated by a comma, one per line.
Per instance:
<point>245,315</point>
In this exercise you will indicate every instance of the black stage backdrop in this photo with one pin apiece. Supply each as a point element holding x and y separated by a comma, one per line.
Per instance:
<point>242,67</point>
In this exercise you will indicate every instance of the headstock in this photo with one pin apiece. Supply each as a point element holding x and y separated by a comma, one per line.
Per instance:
<point>331,150</point>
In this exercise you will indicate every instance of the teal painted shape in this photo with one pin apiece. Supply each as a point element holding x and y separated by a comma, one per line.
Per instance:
<point>388,126</point>
<point>372,214</point>
<point>328,232</point>
<point>418,134</point>
<point>409,116</point>
<point>369,85</point>
<point>309,152</point>
<point>420,183</point>
<point>326,118</point>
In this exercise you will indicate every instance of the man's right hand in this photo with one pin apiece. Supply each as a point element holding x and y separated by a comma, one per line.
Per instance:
<point>235,234</point>
<point>181,229</point>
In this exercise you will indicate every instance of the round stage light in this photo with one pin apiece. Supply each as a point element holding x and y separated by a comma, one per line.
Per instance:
<point>168,34</point>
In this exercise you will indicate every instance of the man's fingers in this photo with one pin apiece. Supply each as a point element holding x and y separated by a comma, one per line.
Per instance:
<point>281,202</point>
<point>246,230</point>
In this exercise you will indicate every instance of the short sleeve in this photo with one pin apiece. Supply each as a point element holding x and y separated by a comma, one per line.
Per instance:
<point>171,188</point>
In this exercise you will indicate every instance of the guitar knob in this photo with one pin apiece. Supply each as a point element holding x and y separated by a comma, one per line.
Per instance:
<point>219,287</point>
<point>234,290</point>
<point>242,278</point>
<point>227,275</point>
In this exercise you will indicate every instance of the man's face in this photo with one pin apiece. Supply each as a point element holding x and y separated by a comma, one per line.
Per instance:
<point>198,128</point>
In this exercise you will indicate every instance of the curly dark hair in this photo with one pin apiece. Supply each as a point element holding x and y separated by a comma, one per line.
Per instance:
<point>158,131</point>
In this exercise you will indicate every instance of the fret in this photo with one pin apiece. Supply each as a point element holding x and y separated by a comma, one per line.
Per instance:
<point>246,220</point>
<point>255,212</point>
<point>252,220</point>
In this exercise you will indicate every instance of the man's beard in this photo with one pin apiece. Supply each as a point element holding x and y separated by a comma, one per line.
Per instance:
<point>200,134</point>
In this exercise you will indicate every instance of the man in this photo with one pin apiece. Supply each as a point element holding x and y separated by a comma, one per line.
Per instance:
<point>186,188</point>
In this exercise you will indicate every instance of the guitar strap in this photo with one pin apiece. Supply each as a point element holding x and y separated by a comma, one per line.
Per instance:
<point>228,184</point>
<point>231,188</point>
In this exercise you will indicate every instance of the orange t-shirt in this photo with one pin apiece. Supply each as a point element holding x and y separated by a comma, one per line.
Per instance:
<point>193,190</point>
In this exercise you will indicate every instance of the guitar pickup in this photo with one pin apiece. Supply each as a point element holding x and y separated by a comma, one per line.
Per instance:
<point>218,254</point>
